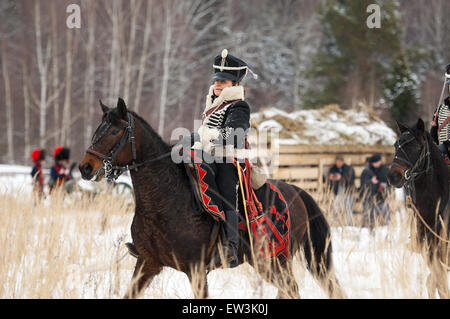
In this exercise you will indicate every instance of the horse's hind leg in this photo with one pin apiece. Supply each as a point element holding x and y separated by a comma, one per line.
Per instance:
<point>144,272</point>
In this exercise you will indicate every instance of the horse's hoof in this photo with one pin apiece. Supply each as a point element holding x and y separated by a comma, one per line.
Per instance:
<point>132,250</point>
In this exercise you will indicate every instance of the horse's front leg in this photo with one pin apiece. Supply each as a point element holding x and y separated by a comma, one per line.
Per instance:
<point>144,272</point>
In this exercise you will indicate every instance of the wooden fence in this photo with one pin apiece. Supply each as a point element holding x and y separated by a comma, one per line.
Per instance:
<point>307,165</point>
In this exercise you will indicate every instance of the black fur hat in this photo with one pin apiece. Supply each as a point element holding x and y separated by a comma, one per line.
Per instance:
<point>63,154</point>
<point>38,155</point>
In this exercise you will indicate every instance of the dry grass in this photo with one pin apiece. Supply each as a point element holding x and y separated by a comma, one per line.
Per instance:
<point>70,247</point>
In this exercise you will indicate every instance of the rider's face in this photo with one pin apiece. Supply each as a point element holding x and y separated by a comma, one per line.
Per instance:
<point>219,85</point>
<point>376,164</point>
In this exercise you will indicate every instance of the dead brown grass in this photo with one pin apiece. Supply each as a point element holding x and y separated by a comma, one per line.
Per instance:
<point>69,247</point>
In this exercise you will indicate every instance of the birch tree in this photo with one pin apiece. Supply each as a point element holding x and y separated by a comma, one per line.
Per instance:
<point>89,80</point>
<point>55,72</point>
<point>43,59</point>
<point>166,66</point>
<point>8,103</point>
<point>144,55</point>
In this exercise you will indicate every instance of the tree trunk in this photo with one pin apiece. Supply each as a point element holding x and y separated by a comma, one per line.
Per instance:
<point>144,56</point>
<point>55,75</point>
<point>128,65</point>
<point>68,87</point>
<point>8,104</point>
<point>114,62</point>
<point>89,82</point>
<point>42,68</point>
<point>166,68</point>
<point>26,110</point>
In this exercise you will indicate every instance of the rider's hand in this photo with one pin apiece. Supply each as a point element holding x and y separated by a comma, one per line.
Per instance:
<point>374,180</point>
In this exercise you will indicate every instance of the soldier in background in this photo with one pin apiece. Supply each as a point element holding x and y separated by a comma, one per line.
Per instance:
<point>341,178</point>
<point>373,190</point>
<point>60,174</point>
<point>38,157</point>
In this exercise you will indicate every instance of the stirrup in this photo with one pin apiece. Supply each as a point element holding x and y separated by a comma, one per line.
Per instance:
<point>132,250</point>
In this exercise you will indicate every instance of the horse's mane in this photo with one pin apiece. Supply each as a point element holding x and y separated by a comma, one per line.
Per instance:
<point>149,128</point>
<point>415,131</point>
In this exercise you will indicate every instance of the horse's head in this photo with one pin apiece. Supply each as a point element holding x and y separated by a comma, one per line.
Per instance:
<point>409,153</point>
<point>111,144</point>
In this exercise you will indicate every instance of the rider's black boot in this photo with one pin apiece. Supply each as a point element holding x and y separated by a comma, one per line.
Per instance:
<point>230,249</point>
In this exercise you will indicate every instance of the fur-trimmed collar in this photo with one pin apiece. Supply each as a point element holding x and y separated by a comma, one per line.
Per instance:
<point>228,94</point>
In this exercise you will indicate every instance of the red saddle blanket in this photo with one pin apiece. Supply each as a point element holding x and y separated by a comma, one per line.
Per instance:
<point>270,225</point>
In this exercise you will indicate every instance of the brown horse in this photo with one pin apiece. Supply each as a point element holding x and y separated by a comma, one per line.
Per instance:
<point>168,229</point>
<point>420,168</point>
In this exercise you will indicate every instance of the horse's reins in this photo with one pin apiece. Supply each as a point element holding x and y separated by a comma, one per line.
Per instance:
<point>412,172</point>
<point>113,172</point>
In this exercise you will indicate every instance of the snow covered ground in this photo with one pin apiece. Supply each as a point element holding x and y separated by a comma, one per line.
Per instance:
<point>329,125</point>
<point>77,251</point>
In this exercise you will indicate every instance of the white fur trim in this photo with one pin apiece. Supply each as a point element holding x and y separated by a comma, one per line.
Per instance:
<point>228,94</point>
<point>258,177</point>
<point>230,151</point>
<point>197,146</point>
<point>206,136</point>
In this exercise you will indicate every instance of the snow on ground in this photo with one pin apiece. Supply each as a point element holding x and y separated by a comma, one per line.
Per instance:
<point>329,125</point>
<point>377,265</point>
<point>17,178</point>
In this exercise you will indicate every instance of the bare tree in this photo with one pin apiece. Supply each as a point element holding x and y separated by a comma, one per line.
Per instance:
<point>55,72</point>
<point>27,109</point>
<point>43,59</point>
<point>166,66</point>
<point>89,80</point>
<point>129,67</point>
<point>144,55</point>
<point>8,103</point>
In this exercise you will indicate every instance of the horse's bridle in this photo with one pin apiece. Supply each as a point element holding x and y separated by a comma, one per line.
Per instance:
<point>412,170</point>
<point>113,172</point>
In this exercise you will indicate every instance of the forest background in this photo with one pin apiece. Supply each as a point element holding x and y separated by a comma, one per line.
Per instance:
<point>158,56</point>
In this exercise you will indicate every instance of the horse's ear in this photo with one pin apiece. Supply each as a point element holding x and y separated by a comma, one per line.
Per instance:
<point>122,108</point>
<point>104,107</point>
<point>420,125</point>
<point>401,127</point>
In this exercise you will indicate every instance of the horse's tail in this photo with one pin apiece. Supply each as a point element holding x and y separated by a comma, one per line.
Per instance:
<point>317,247</point>
<point>317,244</point>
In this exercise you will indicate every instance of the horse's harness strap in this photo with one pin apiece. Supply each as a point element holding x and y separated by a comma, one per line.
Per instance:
<point>113,172</point>
<point>412,173</point>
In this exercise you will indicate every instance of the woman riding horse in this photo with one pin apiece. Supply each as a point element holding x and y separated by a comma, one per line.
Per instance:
<point>168,228</point>
<point>226,119</point>
<point>440,125</point>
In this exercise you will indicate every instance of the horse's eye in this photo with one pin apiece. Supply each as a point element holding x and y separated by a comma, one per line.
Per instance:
<point>115,132</point>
